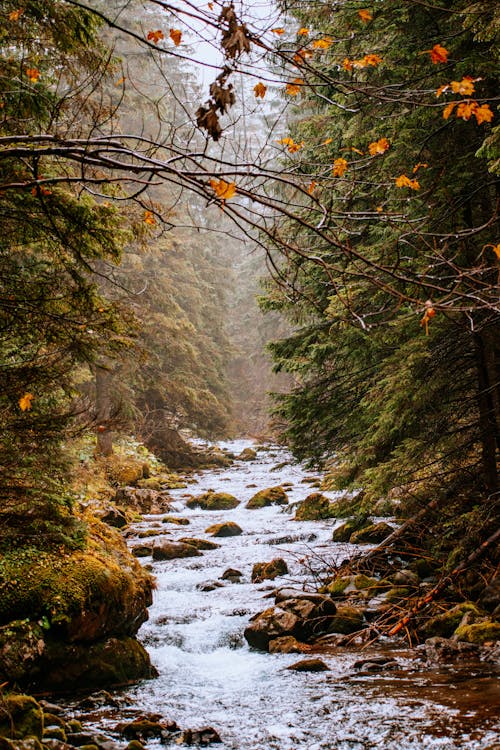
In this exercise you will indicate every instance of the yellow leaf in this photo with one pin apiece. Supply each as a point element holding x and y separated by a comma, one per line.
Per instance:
<point>496,250</point>
<point>340,167</point>
<point>438,53</point>
<point>420,165</point>
<point>16,14</point>
<point>25,401</point>
<point>483,114</point>
<point>223,190</point>
<point>279,32</point>
<point>292,147</point>
<point>449,109</point>
<point>442,89</point>
<point>357,151</point>
<point>33,74</point>
<point>322,43</point>
<point>176,36</point>
<point>372,60</point>
<point>365,15</point>
<point>379,209</point>
<point>155,36</point>
<point>149,218</point>
<point>347,64</point>
<point>293,88</point>
<point>465,86</point>
<point>466,109</point>
<point>404,181</point>
<point>260,90</point>
<point>303,32</point>
<point>378,147</point>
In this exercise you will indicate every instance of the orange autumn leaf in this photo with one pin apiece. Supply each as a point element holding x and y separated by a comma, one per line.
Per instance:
<point>25,401</point>
<point>365,15</point>
<point>120,81</point>
<point>211,6</point>
<point>466,109</point>
<point>290,144</point>
<point>323,43</point>
<point>149,218</point>
<point>465,87</point>
<point>293,88</point>
<point>438,53</point>
<point>364,62</point>
<point>223,190</point>
<point>301,56</point>
<point>259,90</point>
<point>16,14</point>
<point>483,114</point>
<point>312,185</point>
<point>404,181</point>
<point>496,250</point>
<point>420,165</point>
<point>449,109</point>
<point>326,142</point>
<point>40,190</point>
<point>33,74</point>
<point>279,31</point>
<point>357,151</point>
<point>340,167</point>
<point>370,60</point>
<point>347,64</point>
<point>155,36</point>
<point>378,147</point>
<point>303,32</point>
<point>176,36</point>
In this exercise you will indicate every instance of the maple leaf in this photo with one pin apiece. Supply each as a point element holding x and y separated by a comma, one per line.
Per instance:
<point>223,190</point>
<point>293,88</point>
<point>260,90</point>
<point>303,32</point>
<point>357,151</point>
<point>33,74</point>
<point>483,114</point>
<point>466,109</point>
<point>378,147</point>
<point>149,218</point>
<point>301,56</point>
<point>496,250</point>
<point>16,14</point>
<point>372,59</point>
<point>176,36</point>
<point>155,36</point>
<point>420,165</point>
<point>365,15</point>
<point>465,86</point>
<point>322,43</point>
<point>340,167</point>
<point>279,32</point>
<point>292,147</point>
<point>404,181</point>
<point>40,190</point>
<point>347,64</point>
<point>449,109</point>
<point>25,401</point>
<point>438,53</point>
<point>312,185</point>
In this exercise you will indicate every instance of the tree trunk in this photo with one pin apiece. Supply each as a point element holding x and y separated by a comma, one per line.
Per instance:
<point>104,446</point>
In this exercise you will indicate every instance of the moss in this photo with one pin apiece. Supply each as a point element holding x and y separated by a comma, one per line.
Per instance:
<point>269,571</point>
<point>344,532</point>
<point>269,496</point>
<point>315,507</point>
<point>444,624</point>
<point>20,716</point>
<point>397,593</point>
<point>229,528</point>
<point>177,520</point>
<point>204,544</point>
<point>347,620</point>
<point>54,732</point>
<point>214,501</point>
<point>478,632</point>
<point>372,534</point>
<point>337,586</point>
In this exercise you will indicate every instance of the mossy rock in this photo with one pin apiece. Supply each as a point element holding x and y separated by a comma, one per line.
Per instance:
<point>20,716</point>
<point>372,534</point>
<point>372,585</point>
<point>174,550</point>
<point>27,743</point>
<point>269,571</point>
<point>54,732</point>
<point>314,508</point>
<point>214,501</point>
<point>177,520</point>
<point>344,532</point>
<point>21,646</point>
<point>478,632</point>
<point>346,620</point>
<point>152,483</point>
<point>204,544</point>
<point>269,496</point>
<point>444,624</point>
<point>227,528</point>
<point>397,593</point>
<point>248,454</point>
<point>337,586</point>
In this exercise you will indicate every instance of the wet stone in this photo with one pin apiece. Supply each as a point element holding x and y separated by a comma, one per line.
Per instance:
<point>231,574</point>
<point>309,665</point>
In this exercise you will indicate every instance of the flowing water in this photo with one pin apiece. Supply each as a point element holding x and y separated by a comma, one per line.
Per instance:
<point>209,676</point>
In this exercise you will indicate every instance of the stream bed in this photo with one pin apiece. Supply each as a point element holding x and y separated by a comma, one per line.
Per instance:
<point>208,675</point>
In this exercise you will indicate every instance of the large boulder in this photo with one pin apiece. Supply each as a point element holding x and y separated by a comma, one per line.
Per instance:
<point>270,624</point>
<point>248,454</point>
<point>173,550</point>
<point>269,570</point>
<point>204,544</point>
<point>315,507</point>
<point>20,716</point>
<point>213,501</point>
<point>228,528</point>
<point>143,500</point>
<point>269,496</point>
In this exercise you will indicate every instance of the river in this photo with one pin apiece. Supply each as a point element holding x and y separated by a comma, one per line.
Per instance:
<point>209,676</point>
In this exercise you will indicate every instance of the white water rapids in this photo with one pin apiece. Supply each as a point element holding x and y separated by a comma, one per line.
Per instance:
<point>209,676</point>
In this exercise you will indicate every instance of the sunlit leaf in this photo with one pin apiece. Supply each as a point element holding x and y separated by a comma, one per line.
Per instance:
<point>365,15</point>
<point>33,74</point>
<point>465,87</point>
<point>466,109</point>
<point>223,190</point>
<point>357,151</point>
<point>149,218</point>
<point>120,81</point>
<point>279,31</point>
<point>303,32</point>
<point>449,109</point>
<point>378,147</point>
<point>25,401</point>
<point>155,36</point>
<point>292,147</point>
<point>260,90</point>
<point>323,43</point>
<point>404,181</point>
<point>340,167</point>
<point>483,114</point>
<point>312,185</point>
<point>293,88</point>
<point>176,36</point>
<point>438,53</point>
<point>420,165</point>
<point>16,14</point>
<point>327,141</point>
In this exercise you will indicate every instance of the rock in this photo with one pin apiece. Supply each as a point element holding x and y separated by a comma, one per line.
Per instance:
<point>29,743</point>
<point>269,571</point>
<point>177,520</point>
<point>406,578</point>
<point>347,620</point>
<point>228,528</point>
<point>445,623</point>
<point>145,727</point>
<point>114,517</point>
<point>375,660</point>
<point>142,550</point>
<point>269,496</point>
<point>54,732</point>
<point>315,507</point>
<point>209,586</point>
<point>213,501</point>
<point>287,645</point>
<point>323,605</point>
<point>270,624</point>
<point>135,745</point>
<point>231,574</point>
<point>442,650</point>
<point>397,593</point>
<point>173,550</point>
<point>143,500</point>
<point>344,532</point>
<point>372,534</point>
<point>338,586</point>
<point>309,665</point>
<point>248,454</point>
<point>203,736</point>
<point>478,632</point>
<point>21,716</point>
<point>199,543</point>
